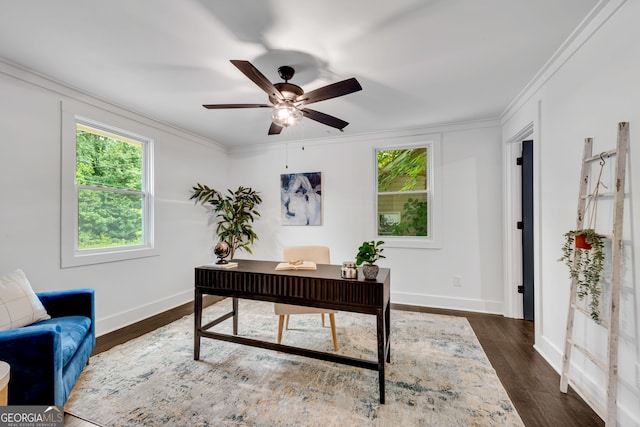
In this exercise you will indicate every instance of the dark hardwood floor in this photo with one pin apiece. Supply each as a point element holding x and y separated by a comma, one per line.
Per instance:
<point>531,383</point>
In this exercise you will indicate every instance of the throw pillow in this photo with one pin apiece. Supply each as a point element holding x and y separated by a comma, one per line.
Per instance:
<point>19,305</point>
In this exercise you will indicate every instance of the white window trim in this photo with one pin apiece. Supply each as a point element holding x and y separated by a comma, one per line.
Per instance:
<point>70,256</point>
<point>434,169</point>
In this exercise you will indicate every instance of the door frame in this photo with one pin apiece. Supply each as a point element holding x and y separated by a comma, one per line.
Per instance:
<point>512,241</point>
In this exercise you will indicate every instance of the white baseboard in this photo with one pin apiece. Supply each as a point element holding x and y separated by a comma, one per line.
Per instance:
<point>553,355</point>
<point>450,303</point>
<point>119,320</point>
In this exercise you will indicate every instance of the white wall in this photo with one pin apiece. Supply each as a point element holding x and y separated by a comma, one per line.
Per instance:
<point>597,87</point>
<point>471,206</point>
<point>30,203</point>
<point>131,290</point>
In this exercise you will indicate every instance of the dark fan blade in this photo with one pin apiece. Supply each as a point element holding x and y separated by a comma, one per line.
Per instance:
<point>323,118</point>
<point>334,90</point>
<point>274,129</point>
<point>258,78</point>
<point>220,106</point>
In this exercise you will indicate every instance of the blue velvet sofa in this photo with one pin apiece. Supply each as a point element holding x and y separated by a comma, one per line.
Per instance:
<point>47,357</point>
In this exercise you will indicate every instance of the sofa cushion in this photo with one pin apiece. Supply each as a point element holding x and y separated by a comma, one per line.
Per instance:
<point>73,331</point>
<point>19,305</point>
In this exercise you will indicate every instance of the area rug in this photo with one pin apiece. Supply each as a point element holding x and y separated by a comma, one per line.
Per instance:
<point>438,376</point>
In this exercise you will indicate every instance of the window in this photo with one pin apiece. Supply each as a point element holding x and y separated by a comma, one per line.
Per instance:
<point>405,195</point>
<point>111,202</point>
<point>109,188</point>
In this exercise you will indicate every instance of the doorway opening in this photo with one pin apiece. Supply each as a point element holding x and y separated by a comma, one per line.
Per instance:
<point>519,226</point>
<point>526,227</point>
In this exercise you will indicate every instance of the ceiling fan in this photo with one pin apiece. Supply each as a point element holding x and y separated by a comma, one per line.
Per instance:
<point>288,100</point>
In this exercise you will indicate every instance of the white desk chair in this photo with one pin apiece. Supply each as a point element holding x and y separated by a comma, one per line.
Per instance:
<point>319,255</point>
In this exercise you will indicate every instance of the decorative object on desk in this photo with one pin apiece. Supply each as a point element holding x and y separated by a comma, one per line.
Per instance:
<point>301,198</point>
<point>349,270</point>
<point>225,266</point>
<point>234,212</point>
<point>439,376</point>
<point>222,250</point>
<point>368,254</point>
<point>296,264</point>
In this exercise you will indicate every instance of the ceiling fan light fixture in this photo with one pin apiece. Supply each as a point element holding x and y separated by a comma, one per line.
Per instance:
<point>285,115</point>
<point>289,101</point>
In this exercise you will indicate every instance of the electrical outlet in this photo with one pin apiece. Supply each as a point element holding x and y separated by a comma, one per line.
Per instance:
<point>457,281</point>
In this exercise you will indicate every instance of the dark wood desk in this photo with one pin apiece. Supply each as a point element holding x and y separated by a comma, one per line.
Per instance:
<point>258,280</point>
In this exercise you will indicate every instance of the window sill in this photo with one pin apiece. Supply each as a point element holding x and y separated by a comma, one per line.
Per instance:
<point>79,259</point>
<point>410,243</point>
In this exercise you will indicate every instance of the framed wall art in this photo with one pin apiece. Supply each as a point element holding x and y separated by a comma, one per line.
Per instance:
<point>301,198</point>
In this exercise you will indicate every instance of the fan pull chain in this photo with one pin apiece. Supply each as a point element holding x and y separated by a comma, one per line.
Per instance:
<point>302,131</point>
<point>286,146</point>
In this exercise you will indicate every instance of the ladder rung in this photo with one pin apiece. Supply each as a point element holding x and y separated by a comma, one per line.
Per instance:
<point>603,322</point>
<point>580,309</point>
<point>623,289</point>
<point>607,194</point>
<point>605,236</point>
<point>597,156</point>
<point>592,357</point>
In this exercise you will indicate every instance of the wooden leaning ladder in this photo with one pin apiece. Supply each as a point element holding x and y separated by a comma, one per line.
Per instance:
<point>610,366</point>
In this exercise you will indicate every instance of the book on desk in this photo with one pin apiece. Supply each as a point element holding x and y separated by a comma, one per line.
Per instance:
<point>296,265</point>
<point>222,266</point>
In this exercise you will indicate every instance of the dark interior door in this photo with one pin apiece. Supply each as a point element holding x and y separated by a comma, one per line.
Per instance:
<point>527,229</point>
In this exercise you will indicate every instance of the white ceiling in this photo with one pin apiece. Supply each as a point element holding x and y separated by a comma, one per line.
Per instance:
<point>420,62</point>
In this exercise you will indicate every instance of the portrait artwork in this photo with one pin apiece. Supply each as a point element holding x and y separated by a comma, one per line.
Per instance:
<point>301,198</point>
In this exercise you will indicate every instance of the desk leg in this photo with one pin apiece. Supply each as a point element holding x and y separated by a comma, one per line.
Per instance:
<point>382,342</point>
<point>235,316</point>
<point>197,316</point>
<point>387,321</point>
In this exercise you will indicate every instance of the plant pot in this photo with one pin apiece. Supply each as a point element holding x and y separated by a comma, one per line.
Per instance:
<point>581,242</point>
<point>370,271</point>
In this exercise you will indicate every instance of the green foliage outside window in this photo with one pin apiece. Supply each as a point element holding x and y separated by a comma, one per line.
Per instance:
<point>413,223</point>
<point>402,170</point>
<point>403,192</point>
<point>109,178</point>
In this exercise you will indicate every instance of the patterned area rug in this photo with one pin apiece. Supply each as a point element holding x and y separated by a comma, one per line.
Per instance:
<point>438,376</point>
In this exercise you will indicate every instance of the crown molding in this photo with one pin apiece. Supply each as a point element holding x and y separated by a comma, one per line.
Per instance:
<point>34,78</point>
<point>600,14</point>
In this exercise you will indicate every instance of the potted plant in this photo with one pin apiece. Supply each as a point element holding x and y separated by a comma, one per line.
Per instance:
<point>368,254</point>
<point>583,253</point>
<point>234,212</point>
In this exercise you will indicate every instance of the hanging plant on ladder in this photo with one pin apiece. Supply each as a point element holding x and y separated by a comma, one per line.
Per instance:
<point>583,253</point>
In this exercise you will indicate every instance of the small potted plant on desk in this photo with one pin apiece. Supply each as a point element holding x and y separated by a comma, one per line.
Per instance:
<point>368,254</point>
<point>234,213</point>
